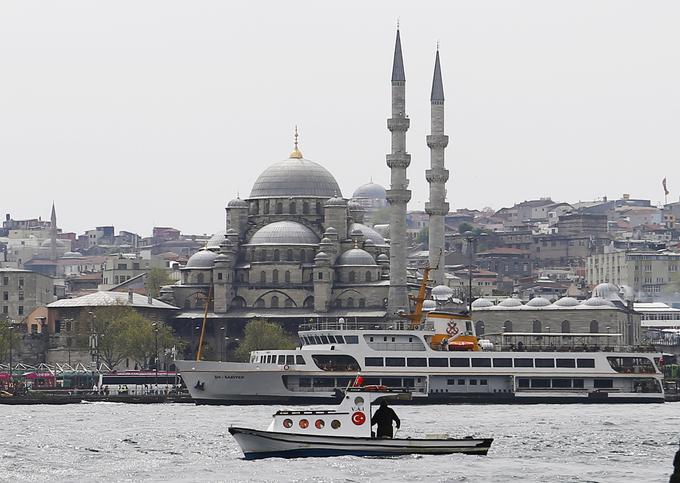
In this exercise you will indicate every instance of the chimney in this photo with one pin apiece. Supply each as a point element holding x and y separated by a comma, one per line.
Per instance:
<point>130,296</point>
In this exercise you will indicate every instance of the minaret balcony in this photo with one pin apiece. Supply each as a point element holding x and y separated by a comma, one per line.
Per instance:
<point>398,196</point>
<point>437,175</point>
<point>399,124</point>
<point>399,160</point>
<point>441,209</point>
<point>437,141</point>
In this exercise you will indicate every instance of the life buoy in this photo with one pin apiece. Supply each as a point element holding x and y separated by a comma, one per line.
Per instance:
<point>286,367</point>
<point>358,418</point>
<point>375,388</point>
<point>304,423</point>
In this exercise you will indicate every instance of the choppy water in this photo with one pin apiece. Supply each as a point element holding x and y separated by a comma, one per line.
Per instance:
<point>166,442</point>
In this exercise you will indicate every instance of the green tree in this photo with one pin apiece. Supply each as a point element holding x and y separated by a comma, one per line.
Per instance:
<point>263,335</point>
<point>5,334</point>
<point>155,279</point>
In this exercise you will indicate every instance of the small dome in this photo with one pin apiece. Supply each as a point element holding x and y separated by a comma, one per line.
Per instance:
<point>336,201</point>
<point>231,231</point>
<point>567,302</point>
<point>371,191</point>
<point>201,259</point>
<point>354,206</point>
<point>597,302</point>
<point>383,258</point>
<point>482,303</point>
<point>331,231</point>
<point>607,291</point>
<point>510,302</point>
<point>295,177</point>
<point>429,305</point>
<point>284,233</point>
<point>216,239</point>
<point>322,256</point>
<point>325,241</point>
<point>538,302</point>
<point>237,203</point>
<point>440,292</point>
<point>369,233</point>
<point>221,258</point>
<point>369,243</point>
<point>355,256</point>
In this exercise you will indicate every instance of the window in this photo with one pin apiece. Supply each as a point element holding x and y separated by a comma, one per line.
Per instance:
<point>20,310</point>
<point>561,383</point>
<point>279,208</point>
<point>352,277</point>
<point>502,362</point>
<point>603,383</point>
<point>577,383</point>
<point>282,360</point>
<point>288,303</point>
<point>350,302</point>
<point>286,276</point>
<point>585,363</point>
<point>594,327</point>
<point>289,255</point>
<point>473,382</point>
<point>324,339</point>
<point>352,339</point>
<point>371,361</point>
<point>481,362</point>
<point>362,302</point>
<point>368,276</point>
<point>292,208</point>
<point>438,362</point>
<point>479,328</point>
<point>5,295</point>
<point>566,327</point>
<point>507,326</point>
<point>339,339</point>
<point>339,362</point>
<point>416,362</point>
<point>450,382</point>
<point>305,208</point>
<point>219,275</point>
<point>259,303</point>
<point>524,362</point>
<point>523,382</point>
<point>483,382</point>
<point>566,363</point>
<point>263,277</point>
<point>275,276</point>
<point>460,362</point>
<point>540,383</point>
<point>544,362</point>
<point>277,255</point>
<point>275,302</point>
<point>461,382</point>
<point>537,326</point>
<point>395,361</point>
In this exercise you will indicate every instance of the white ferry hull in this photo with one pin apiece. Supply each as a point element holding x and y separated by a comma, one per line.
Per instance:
<point>267,444</point>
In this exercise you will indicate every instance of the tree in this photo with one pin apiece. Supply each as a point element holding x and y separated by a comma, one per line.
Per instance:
<point>263,335</point>
<point>155,279</point>
<point>5,334</point>
<point>465,227</point>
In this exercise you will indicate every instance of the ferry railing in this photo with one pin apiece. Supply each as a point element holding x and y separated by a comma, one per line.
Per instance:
<point>363,326</point>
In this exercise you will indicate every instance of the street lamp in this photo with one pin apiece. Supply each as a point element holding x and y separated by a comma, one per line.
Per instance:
<point>10,327</point>
<point>155,360</point>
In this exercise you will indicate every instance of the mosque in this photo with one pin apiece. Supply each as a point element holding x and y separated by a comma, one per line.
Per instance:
<point>296,249</point>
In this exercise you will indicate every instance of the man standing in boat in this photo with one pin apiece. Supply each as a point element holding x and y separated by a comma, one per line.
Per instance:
<point>383,417</point>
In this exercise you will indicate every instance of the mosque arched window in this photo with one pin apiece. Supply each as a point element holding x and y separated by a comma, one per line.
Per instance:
<point>292,208</point>
<point>362,302</point>
<point>479,327</point>
<point>303,256</point>
<point>275,276</point>
<point>507,326</point>
<point>352,276</point>
<point>279,208</point>
<point>266,207</point>
<point>594,327</point>
<point>318,207</point>
<point>309,302</point>
<point>338,303</point>
<point>254,207</point>
<point>238,302</point>
<point>566,327</point>
<point>199,278</point>
<point>350,302</point>
<point>263,277</point>
<point>275,302</point>
<point>263,255</point>
<point>277,255</point>
<point>369,276</point>
<point>537,327</point>
<point>288,303</point>
<point>259,303</point>
<point>289,255</point>
<point>286,276</point>
<point>305,208</point>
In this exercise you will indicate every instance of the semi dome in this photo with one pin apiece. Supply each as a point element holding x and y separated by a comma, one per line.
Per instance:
<point>295,177</point>
<point>369,233</point>
<point>201,259</point>
<point>441,292</point>
<point>383,258</point>
<point>72,255</point>
<point>216,239</point>
<point>284,233</point>
<point>482,303</point>
<point>538,302</point>
<point>355,256</point>
<point>371,191</point>
<point>566,302</point>
<point>510,302</point>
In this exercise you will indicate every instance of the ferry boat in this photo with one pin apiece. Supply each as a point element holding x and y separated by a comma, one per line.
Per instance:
<point>345,431</point>
<point>440,360</point>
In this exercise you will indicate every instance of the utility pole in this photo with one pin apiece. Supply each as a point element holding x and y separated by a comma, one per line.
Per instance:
<point>155,364</point>
<point>9,331</point>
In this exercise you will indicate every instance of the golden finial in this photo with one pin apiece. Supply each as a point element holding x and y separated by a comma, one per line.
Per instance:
<point>296,154</point>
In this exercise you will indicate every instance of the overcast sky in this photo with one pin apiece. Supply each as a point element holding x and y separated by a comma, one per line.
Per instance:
<point>142,113</point>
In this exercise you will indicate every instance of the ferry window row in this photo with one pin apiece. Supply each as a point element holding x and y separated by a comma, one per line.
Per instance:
<point>280,359</point>
<point>478,362</point>
<point>561,383</point>
<point>329,339</point>
<point>342,382</point>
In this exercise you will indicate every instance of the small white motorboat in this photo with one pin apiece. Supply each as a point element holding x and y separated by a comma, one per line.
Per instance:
<point>345,431</point>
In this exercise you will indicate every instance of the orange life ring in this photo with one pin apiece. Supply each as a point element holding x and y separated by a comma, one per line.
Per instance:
<point>375,387</point>
<point>358,418</point>
<point>304,423</point>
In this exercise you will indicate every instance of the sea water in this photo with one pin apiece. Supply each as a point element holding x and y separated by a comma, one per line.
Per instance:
<point>183,442</point>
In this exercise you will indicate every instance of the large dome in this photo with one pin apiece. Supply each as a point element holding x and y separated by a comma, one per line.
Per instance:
<point>371,191</point>
<point>295,177</point>
<point>284,233</point>
<point>355,256</point>
<point>369,233</point>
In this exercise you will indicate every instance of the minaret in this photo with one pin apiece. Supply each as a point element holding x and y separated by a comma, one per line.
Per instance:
<point>437,176</point>
<point>398,195</point>
<point>53,234</point>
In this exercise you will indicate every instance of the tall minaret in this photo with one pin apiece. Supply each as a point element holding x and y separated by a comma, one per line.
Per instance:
<point>53,234</point>
<point>437,175</point>
<point>398,195</point>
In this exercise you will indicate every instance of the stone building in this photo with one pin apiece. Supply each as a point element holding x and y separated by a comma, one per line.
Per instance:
<point>21,291</point>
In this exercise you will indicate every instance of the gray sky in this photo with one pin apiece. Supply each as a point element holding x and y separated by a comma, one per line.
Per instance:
<point>143,113</point>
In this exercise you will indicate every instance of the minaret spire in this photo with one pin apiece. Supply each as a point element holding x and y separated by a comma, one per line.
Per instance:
<point>398,195</point>
<point>53,233</point>
<point>296,154</point>
<point>437,175</point>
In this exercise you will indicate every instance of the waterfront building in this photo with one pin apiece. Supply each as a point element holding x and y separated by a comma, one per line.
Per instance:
<point>22,290</point>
